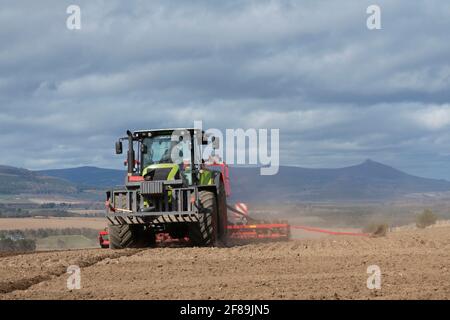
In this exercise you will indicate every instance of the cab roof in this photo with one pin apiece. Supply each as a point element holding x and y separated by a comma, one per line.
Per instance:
<point>160,132</point>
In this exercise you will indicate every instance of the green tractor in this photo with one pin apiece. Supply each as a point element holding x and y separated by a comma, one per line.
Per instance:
<point>168,189</point>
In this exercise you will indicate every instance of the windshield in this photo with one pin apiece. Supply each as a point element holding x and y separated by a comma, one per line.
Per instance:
<point>160,148</point>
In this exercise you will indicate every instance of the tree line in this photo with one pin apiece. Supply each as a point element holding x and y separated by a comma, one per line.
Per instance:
<point>25,240</point>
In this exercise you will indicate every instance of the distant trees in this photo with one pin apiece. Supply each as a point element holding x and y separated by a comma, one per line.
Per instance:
<point>9,212</point>
<point>48,212</point>
<point>47,232</point>
<point>426,218</point>
<point>8,244</point>
<point>49,205</point>
<point>25,240</point>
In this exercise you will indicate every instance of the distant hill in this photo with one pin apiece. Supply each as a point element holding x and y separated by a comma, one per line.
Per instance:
<point>369,180</point>
<point>16,181</point>
<point>88,176</point>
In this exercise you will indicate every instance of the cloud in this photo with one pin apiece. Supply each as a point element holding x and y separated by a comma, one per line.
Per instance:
<point>433,117</point>
<point>338,92</point>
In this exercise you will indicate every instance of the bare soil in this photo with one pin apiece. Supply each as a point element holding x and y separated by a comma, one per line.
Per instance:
<point>415,264</point>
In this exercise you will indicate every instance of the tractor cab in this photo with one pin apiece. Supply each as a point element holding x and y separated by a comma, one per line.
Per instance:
<point>165,154</point>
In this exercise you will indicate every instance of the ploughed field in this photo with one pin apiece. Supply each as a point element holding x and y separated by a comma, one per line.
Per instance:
<point>415,264</point>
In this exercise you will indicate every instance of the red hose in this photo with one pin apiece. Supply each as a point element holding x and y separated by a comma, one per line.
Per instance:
<point>331,232</point>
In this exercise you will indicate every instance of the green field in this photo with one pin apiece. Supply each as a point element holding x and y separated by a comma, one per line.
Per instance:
<point>65,242</point>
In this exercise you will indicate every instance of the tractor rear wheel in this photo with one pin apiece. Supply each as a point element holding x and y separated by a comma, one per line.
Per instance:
<point>130,236</point>
<point>204,232</point>
<point>222,217</point>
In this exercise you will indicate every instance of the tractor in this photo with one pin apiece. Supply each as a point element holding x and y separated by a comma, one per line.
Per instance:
<point>168,189</point>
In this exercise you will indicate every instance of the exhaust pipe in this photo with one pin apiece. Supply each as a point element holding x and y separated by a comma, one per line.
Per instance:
<point>130,154</point>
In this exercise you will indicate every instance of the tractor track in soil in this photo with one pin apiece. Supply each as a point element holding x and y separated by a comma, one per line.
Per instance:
<point>415,264</point>
<point>37,267</point>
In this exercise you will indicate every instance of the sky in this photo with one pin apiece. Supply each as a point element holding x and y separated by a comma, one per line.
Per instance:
<point>339,92</point>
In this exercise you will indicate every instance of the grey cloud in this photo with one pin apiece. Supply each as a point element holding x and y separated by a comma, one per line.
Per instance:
<point>338,92</point>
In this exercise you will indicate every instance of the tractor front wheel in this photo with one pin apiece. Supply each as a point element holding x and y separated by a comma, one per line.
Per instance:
<point>130,236</point>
